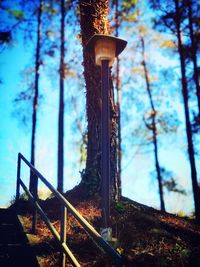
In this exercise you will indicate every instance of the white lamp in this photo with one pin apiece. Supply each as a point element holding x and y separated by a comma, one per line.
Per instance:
<point>105,47</point>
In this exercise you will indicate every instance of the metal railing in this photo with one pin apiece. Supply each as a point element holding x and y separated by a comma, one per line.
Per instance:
<point>96,237</point>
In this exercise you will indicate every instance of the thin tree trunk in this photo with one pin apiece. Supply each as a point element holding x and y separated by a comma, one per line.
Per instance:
<point>194,52</point>
<point>33,180</point>
<point>195,187</point>
<point>94,20</point>
<point>119,149</point>
<point>62,257</point>
<point>154,129</point>
<point>61,103</point>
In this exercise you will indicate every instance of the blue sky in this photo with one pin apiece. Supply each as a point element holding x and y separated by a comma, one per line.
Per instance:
<point>14,137</point>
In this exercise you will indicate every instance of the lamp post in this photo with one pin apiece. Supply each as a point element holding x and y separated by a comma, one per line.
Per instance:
<point>104,48</point>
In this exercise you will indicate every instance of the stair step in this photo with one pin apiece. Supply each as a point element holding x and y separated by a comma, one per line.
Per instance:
<point>14,246</point>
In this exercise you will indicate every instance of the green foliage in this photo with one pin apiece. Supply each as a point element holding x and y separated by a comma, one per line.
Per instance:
<point>120,207</point>
<point>178,248</point>
<point>128,4</point>
<point>49,9</point>
<point>131,17</point>
<point>183,252</point>
<point>184,215</point>
<point>128,11</point>
<point>18,14</point>
<point>91,180</point>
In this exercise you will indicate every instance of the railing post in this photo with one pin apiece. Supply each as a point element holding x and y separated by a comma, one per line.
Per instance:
<point>63,233</point>
<point>18,177</point>
<point>35,195</point>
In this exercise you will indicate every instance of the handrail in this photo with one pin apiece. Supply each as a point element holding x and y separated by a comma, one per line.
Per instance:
<point>97,238</point>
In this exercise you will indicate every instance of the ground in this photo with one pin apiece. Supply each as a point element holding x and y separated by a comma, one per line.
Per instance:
<point>146,237</point>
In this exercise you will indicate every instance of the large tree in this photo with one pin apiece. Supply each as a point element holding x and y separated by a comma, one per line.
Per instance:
<point>94,21</point>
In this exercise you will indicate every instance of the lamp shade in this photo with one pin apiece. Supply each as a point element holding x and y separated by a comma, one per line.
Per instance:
<point>105,47</point>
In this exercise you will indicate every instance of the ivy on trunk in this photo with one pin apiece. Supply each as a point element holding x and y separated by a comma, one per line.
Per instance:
<point>94,21</point>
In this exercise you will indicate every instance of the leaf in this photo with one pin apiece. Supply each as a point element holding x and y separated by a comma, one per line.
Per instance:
<point>131,17</point>
<point>138,70</point>
<point>50,33</point>
<point>18,14</point>
<point>167,44</point>
<point>120,207</point>
<point>49,9</point>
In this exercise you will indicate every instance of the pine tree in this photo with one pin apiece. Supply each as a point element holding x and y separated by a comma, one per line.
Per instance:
<point>152,126</point>
<point>33,179</point>
<point>61,102</point>
<point>94,20</point>
<point>196,190</point>
<point>171,18</point>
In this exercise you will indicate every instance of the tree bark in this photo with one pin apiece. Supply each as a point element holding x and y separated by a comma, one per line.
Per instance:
<point>153,128</point>
<point>195,187</point>
<point>194,52</point>
<point>61,102</point>
<point>33,179</point>
<point>94,20</point>
<point>118,89</point>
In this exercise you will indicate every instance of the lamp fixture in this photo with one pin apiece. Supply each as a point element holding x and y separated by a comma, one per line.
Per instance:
<point>105,47</point>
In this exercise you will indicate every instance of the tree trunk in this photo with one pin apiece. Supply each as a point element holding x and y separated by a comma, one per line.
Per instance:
<point>195,187</point>
<point>119,148</point>
<point>33,180</point>
<point>153,128</point>
<point>194,52</point>
<point>61,102</point>
<point>94,20</point>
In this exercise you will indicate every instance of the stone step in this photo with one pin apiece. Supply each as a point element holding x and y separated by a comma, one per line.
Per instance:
<point>15,249</point>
